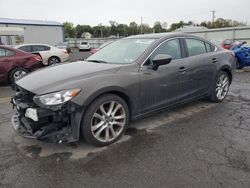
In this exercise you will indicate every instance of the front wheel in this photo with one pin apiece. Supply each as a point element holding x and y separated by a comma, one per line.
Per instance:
<point>105,120</point>
<point>221,87</point>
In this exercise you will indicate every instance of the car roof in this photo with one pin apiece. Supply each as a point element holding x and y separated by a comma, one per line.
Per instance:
<point>161,35</point>
<point>33,44</point>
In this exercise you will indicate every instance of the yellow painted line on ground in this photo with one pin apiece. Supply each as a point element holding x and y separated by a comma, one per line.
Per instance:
<point>2,102</point>
<point>5,99</point>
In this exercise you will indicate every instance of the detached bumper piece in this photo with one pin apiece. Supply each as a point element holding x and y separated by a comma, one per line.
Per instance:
<point>61,125</point>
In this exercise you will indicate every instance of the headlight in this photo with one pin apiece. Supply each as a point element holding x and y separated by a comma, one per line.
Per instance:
<point>56,98</point>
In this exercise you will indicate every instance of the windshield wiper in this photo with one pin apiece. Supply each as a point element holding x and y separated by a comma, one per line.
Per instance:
<point>96,61</point>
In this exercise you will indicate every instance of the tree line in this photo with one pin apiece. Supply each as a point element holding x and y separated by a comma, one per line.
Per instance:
<point>72,31</point>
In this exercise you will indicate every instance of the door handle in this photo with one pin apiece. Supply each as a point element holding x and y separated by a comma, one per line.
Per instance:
<point>182,69</point>
<point>214,60</point>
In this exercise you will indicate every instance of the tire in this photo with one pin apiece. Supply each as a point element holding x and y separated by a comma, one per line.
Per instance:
<point>17,73</point>
<point>105,120</point>
<point>238,64</point>
<point>53,60</point>
<point>220,87</point>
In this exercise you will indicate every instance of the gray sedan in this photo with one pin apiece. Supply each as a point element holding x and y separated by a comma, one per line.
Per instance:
<point>126,80</point>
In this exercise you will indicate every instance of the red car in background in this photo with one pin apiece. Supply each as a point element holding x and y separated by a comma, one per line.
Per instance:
<point>16,63</point>
<point>227,44</point>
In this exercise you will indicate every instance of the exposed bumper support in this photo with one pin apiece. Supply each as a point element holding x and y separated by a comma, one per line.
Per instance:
<point>53,126</point>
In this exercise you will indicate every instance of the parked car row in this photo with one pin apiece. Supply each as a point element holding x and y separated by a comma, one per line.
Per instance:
<point>22,59</point>
<point>49,54</point>
<point>15,63</point>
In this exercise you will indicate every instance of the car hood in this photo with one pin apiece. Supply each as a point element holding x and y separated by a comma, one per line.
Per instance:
<point>64,76</point>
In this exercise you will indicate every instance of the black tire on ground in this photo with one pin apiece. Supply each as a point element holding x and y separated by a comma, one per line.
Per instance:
<point>15,72</point>
<point>86,124</point>
<point>238,64</point>
<point>213,97</point>
<point>53,60</point>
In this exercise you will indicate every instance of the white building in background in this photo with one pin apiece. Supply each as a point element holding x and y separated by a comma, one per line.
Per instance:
<point>16,31</point>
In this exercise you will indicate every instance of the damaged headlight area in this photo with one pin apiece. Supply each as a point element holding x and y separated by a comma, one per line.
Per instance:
<point>56,99</point>
<point>52,117</point>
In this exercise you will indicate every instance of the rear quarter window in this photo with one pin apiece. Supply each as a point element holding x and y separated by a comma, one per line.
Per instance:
<point>209,47</point>
<point>37,48</point>
<point>10,53</point>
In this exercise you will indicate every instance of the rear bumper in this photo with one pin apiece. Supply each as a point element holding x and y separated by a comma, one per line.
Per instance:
<point>58,126</point>
<point>64,58</point>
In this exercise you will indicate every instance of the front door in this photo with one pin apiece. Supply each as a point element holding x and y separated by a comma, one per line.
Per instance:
<point>160,88</point>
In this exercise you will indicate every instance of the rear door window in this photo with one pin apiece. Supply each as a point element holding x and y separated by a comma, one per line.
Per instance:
<point>39,48</point>
<point>195,47</point>
<point>2,52</point>
<point>26,48</point>
<point>9,53</point>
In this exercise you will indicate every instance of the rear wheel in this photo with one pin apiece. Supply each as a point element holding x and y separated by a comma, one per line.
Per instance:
<point>221,87</point>
<point>53,60</point>
<point>105,120</point>
<point>17,73</point>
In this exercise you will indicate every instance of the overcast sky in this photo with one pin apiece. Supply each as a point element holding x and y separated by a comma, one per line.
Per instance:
<point>94,12</point>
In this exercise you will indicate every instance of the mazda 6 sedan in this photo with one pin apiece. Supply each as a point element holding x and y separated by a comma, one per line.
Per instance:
<point>129,79</point>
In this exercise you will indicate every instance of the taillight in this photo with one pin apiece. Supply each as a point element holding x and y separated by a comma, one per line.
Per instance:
<point>66,52</point>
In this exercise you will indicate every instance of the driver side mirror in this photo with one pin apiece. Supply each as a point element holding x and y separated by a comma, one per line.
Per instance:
<point>161,59</point>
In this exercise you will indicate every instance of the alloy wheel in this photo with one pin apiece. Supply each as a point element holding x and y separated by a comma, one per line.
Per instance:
<point>108,121</point>
<point>222,87</point>
<point>18,74</point>
<point>53,61</point>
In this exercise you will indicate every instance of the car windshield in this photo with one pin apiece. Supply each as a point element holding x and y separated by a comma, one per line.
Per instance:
<point>122,51</point>
<point>105,44</point>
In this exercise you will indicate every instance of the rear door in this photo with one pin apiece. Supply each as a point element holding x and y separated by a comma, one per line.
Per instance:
<point>6,62</point>
<point>160,88</point>
<point>199,69</point>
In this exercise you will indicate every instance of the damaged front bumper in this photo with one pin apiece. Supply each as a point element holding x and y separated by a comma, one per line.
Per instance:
<point>51,125</point>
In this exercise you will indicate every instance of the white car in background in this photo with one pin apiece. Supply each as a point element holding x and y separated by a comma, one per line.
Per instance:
<point>84,45</point>
<point>49,54</point>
